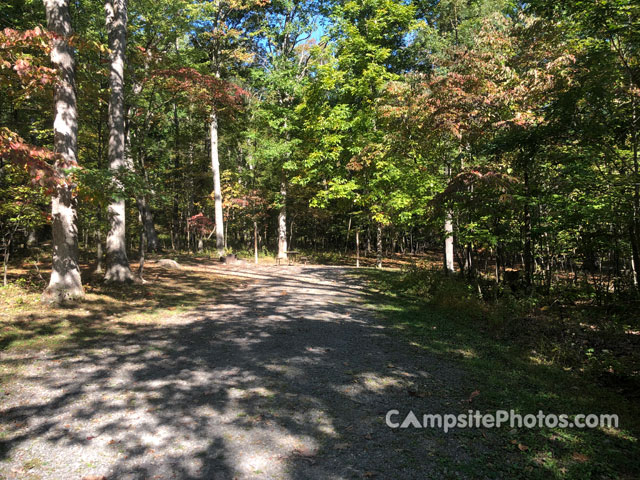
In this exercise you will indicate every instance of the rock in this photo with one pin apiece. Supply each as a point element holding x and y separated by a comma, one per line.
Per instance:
<point>229,259</point>
<point>168,263</point>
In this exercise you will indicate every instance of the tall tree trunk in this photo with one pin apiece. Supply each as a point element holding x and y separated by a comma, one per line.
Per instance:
<point>282,220</point>
<point>357,248</point>
<point>528,248</point>
<point>117,261</point>
<point>142,251</point>
<point>448,239</point>
<point>448,243</point>
<point>175,222</point>
<point>99,254</point>
<point>217,190</point>
<point>635,228</point>
<point>379,246</point>
<point>32,239</point>
<point>146,218</point>
<point>145,213</point>
<point>65,282</point>
<point>346,243</point>
<point>255,241</point>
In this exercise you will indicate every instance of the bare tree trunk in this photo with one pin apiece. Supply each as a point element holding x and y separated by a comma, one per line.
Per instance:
<point>5,264</point>
<point>291,228</point>
<point>32,239</point>
<point>635,228</point>
<point>357,248</point>
<point>449,266</point>
<point>7,253</point>
<point>65,282</point>
<point>255,241</point>
<point>99,253</point>
<point>528,247</point>
<point>282,220</point>
<point>141,246</point>
<point>175,223</point>
<point>146,218</point>
<point>379,246</point>
<point>346,243</point>
<point>118,269</point>
<point>217,190</point>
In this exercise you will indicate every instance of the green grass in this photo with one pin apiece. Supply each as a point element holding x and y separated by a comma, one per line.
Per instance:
<point>503,363</point>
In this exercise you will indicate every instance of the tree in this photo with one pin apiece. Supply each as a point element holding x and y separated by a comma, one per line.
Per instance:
<point>286,29</point>
<point>221,32</point>
<point>117,261</point>
<point>348,154</point>
<point>65,282</point>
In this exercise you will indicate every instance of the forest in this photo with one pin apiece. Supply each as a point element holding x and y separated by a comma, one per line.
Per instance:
<point>503,134</point>
<point>469,163</point>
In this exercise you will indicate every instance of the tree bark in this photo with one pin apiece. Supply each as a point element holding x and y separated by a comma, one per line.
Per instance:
<point>146,217</point>
<point>255,241</point>
<point>217,190</point>
<point>65,282</point>
<point>528,247</point>
<point>99,253</point>
<point>118,269</point>
<point>357,248</point>
<point>282,220</point>
<point>449,266</point>
<point>142,252</point>
<point>379,246</point>
<point>635,227</point>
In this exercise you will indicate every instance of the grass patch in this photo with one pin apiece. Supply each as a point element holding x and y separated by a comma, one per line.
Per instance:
<point>27,324</point>
<point>525,362</point>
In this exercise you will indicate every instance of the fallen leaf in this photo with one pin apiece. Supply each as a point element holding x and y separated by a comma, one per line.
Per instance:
<point>369,474</point>
<point>473,395</point>
<point>579,457</point>
<point>303,452</point>
<point>94,477</point>
<point>522,448</point>
<point>283,292</point>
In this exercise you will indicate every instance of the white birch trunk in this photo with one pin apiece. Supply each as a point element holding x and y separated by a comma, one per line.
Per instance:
<point>65,282</point>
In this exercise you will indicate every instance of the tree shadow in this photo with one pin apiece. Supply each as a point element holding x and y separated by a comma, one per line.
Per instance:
<point>285,378</point>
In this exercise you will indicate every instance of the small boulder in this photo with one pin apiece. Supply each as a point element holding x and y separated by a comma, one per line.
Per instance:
<point>229,259</point>
<point>169,264</point>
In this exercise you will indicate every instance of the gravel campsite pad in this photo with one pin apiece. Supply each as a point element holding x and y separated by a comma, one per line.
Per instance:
<point>288,377</point>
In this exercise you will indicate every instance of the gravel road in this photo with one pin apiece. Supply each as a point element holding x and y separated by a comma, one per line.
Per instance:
<point>288,377</point>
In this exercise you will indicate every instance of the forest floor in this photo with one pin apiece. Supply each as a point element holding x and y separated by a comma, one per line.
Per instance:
<point>285,372</point>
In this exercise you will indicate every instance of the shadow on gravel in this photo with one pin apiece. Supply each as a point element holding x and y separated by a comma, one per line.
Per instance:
<point>287,378</point>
